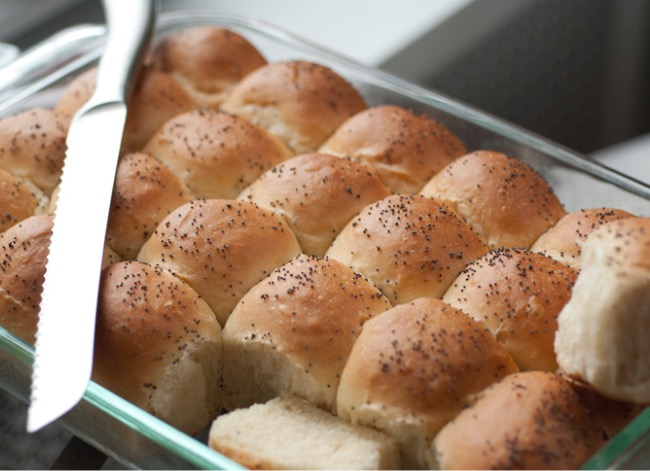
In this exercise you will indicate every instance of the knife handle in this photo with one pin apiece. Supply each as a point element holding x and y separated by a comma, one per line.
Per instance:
<point>130,24</point>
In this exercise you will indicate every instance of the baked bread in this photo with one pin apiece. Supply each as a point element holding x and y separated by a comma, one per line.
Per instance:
<point>158,345</point>
<point>291,433</point>
<point>145,192</point>
<point>413,368</point>
<point>216,154</point>
<point>156,98</point>
<point>23,252</point>
<point>32,146</point>
<point>299,101</point>
<point>207,61</point>
<point>293,331</point>
<point>221,248</point>
<point>317,194</point>
<point>517,295</point>
<point>406,148</point>
<point>23,255</point>
<point>408,245</point>
<point>564,240</point>
<point>507,202</point>
<point>603,330</point>
<point>19,199</point>
<point>529,420</point>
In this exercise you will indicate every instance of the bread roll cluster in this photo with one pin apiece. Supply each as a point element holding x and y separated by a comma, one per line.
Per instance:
<point>281,252</point>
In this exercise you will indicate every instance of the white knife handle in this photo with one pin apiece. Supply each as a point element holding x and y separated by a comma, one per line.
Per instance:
<point>129,25</point>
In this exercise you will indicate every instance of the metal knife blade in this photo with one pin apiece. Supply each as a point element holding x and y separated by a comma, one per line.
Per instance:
<point>66,326</point>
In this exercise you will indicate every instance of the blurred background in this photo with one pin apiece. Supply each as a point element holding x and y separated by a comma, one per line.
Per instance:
<point>576,72</point>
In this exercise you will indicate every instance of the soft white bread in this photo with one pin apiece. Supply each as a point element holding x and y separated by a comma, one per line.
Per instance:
<point>32,146</point>
<point>291,433</point>
<point>564,240</point>
<point>317,194</point>
<point>156,98</point>
<point>299,101</point>
<point>145,192</point>
<point>293,331</point>
<point>414,368</point>
<point>19,199</point>
<point>207,61</point>
<point>603,330</point>
<point>221,248</point>
<point>23,254</point>
<point>406,148</point>
<point>507,202</point>
<point>529,420</point>
<point>158,345</point>
<point>216,154</point>
<point>408,245</point>
<point>517,295</point>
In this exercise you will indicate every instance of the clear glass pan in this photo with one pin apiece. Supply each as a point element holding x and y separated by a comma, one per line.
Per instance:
<point>139,440</point>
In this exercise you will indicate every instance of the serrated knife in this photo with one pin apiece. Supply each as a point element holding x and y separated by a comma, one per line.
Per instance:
<point>66,326</point>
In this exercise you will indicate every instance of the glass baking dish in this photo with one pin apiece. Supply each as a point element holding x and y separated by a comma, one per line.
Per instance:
<point>137,439</point>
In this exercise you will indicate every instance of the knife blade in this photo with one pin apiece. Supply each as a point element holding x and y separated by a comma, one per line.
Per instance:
<point>66,326</point>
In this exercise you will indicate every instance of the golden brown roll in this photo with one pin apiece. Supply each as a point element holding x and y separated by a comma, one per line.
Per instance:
<point>408,245</point>
<point>299,101</point>
<point>414,368</point>
<point>517,295</point>
<point>221,248</point>
<point>145,192</point>
<point>507,202</point>
<point>603,330</point>
<point>291,433</point>
<point>406,148</point>
<point>19,199</point>
<point>564,240</point>
<point>216,154</point>
<point>614,415</point>
<point>23,255</point>
<point>157,97</point>
<point>317,194</point>
<point>207,61</point>
<point>530,420</point>
<point>293,331</point>
<point>32,146</point>
<point>23,252</point>
<point>158,345</point>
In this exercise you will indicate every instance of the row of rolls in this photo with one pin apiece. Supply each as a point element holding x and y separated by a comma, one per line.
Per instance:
<point>271,234</point>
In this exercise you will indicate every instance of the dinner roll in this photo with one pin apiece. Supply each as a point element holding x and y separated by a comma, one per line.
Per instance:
<point>414,368</point>
<point>614,415</point>
<point>529,420</point>
<point>23,252</point>
<point>207,61</point>
<point>408,245</point>
<point>221,248</point>
<point>317,194</point>
<point>603,330</point>
<point>517,295</point>
<point>293,331</point>
<point>291,433</point>
<point>216,154</point>
<point>19,199</point>
<point>507,202</point>
<point>23,255</point>
<point>158,345</point>
<point>156,98</point>
<point>406,148</point>
<point>145,192</point>
<point>564,240</point>
<point>32,146</point>
<point>301,102</point>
